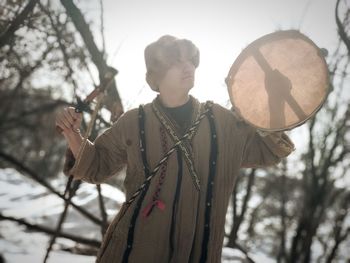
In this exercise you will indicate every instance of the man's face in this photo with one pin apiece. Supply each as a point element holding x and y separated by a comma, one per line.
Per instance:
<point>179,77</point>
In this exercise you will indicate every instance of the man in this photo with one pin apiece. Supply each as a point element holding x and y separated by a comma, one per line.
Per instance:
<point>180,215</point>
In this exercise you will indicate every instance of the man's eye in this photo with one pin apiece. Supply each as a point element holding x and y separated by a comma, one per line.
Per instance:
<point>179,63</point>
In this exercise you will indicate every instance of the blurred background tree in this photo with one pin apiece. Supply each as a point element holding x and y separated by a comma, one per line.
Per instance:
<point>299,211</point>
<point>48,60</point>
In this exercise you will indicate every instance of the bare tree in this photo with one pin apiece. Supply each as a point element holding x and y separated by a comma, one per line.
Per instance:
<point>238,216</point>
<point>309,201</point>
<point>47,50</point>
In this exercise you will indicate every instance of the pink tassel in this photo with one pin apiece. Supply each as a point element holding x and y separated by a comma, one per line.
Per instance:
<point>160,204</point>
<point>148,209</point>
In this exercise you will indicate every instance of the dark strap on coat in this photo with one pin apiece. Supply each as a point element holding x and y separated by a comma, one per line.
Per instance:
<point>136,213</point>
<point>142,134</point>
<point>176,201</point>
<point>211,177</point>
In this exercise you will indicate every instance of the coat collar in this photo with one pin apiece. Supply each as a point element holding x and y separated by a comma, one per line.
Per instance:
<point>168,122</point>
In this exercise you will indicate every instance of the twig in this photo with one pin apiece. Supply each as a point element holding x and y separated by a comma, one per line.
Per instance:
<point>62,47</point>
<point>244,251</point>
<point>16,23</point>
<point>34,176</point>
<point>103,210</point>
<point>102,28</point>
<point>114,101</point>
<point>81,240</point>
<point>341,29</point>
<point>61,220</point>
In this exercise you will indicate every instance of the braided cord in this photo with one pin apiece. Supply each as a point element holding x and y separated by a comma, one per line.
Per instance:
<point>166,156</point>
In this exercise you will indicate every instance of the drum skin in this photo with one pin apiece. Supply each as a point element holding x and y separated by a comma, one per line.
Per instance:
<point>279,81</point>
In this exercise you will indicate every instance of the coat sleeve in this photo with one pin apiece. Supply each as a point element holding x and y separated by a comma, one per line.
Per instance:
<point>265,150</point>
<point>102,158</point>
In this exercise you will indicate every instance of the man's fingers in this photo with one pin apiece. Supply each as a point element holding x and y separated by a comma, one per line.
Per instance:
<point>64,120</point>
<point>67,119</point>
<point>71,112</point>
<point>77,124</point>
<point>75,115</point>
<point>62,125</point>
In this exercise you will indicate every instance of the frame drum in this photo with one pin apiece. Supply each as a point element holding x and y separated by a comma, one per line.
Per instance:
<point>279,81</point>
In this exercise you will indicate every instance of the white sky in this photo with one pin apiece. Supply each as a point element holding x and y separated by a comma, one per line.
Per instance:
<point>221,29</point>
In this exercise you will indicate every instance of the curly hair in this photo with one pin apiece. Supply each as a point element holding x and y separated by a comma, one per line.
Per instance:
<point>164,53</point>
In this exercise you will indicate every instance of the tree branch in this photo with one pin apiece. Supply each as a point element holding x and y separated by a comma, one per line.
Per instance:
<point>63,216</point>
<point>61,46</point>
<point>16,23</point>
<point>85,241</point>
<point>239,219</point>
<point>113,102</point>
<point>104,225</point>
<point>34,176</point>
<point>341,29</point>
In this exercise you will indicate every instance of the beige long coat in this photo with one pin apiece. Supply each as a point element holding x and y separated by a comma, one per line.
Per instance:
<point>239,145</point>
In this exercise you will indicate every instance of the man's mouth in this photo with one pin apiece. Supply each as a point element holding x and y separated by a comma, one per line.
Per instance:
<point>188,77</point>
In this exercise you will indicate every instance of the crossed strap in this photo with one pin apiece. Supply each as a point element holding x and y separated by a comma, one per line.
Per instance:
<point>189,133</point>
<point>184,144</point>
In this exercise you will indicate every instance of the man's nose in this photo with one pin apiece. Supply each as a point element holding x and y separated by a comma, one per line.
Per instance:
<point>188,66</point>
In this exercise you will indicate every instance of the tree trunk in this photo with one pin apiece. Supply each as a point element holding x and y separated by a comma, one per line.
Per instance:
<point>114,102</point>
<point>237,220</point>
<point>281,257</point>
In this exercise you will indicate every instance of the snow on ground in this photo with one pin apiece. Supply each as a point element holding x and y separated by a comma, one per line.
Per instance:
<point>23,198</point>
<point>18,245</point>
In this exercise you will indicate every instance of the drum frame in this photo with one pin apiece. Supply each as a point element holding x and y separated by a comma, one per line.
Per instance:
<point>259,42</point>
